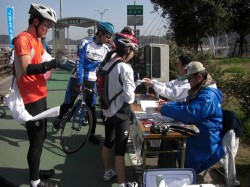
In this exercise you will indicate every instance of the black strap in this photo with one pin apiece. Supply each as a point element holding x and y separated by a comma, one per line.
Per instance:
<point>109,70</point>
<point>113,65</point>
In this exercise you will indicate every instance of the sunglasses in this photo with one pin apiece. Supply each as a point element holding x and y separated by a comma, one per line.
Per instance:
<point>47,25</point>
<point>108,35</point>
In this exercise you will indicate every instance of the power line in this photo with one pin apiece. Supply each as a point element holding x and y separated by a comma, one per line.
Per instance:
<point>150,24</point>
<point>158,29</point>
<point>154,26</point>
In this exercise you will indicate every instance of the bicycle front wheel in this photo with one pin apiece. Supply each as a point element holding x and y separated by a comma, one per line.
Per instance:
<point>76,126</point>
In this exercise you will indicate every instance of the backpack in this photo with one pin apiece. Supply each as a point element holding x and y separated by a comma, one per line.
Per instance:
<point>102,86</point>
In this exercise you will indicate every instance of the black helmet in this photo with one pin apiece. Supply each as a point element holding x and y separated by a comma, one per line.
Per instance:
<point>127,30</point>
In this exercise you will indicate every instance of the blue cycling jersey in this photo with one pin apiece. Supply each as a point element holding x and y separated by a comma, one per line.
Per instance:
<point>90,54</point>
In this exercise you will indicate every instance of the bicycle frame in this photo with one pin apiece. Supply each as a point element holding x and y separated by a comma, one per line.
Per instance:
<point>80,98</point>
<point>75,131</point>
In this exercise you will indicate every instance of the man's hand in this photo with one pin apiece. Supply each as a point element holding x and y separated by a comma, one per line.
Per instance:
<point>147,82</point>
<point>158,108</point>
<point>161,102</point>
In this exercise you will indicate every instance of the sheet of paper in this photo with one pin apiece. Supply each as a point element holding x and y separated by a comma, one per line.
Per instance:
<point>155,117</point>
<point>144,115</point>
<point>148,103</point>
<point>53,112</point>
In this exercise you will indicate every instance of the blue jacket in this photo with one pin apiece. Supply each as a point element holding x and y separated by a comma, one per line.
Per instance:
<point>204,149</point>
<point>90,54</point>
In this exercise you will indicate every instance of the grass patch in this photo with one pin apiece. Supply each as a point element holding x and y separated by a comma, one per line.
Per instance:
<point>234,70</point>
<point>233,65</point>
<point>228,61</point>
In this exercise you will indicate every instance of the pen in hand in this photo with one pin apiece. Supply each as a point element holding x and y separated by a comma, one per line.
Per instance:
<point>160,103</point>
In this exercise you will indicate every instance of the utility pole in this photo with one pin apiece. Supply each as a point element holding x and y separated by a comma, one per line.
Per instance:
<point>60,9</point>
<point>102,12</point>
<point>134,24</point>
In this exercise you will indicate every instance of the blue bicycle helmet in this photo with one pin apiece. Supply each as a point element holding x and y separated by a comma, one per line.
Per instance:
<point>106,27</point>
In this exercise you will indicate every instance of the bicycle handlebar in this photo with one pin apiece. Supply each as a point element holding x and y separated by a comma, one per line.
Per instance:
<point>85,89</point>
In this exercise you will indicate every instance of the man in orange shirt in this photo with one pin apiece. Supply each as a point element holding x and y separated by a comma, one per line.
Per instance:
<point>30,79</point>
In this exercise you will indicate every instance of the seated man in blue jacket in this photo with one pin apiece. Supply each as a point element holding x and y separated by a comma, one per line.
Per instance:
<point>202,108</point>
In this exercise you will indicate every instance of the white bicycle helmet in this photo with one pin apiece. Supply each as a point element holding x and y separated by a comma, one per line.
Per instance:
<point>43,10</point>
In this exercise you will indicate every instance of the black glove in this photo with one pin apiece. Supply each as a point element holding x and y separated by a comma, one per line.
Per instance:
<point>34,69</point>
<point>55,63</point>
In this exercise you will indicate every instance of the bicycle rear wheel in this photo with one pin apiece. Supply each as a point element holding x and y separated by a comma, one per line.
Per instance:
<point>76,126</point>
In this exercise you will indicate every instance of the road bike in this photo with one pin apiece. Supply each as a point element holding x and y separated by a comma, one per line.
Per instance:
<point>76,124</point>
<point>2,110</point>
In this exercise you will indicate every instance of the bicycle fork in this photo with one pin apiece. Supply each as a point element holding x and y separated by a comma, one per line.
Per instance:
<point>79,114</point>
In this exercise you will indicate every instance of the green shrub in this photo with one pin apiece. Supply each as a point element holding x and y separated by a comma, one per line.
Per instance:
<point>239,86</point>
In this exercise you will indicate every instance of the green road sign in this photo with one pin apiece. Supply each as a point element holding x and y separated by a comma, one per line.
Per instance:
<point>73,21</point>
<point>135,10</point>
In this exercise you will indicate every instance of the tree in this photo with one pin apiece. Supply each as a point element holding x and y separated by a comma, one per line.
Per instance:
<point>192,20</point>
<point>240,22</point>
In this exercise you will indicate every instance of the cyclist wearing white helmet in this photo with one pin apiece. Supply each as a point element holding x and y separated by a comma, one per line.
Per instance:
<point>91,52</point>
<point>45,16</point>
<point>121,87</point>
<point>32,84</point>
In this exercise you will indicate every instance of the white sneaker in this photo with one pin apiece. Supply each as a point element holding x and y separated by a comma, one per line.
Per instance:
<point>109,175</point>
<point>131,184</point>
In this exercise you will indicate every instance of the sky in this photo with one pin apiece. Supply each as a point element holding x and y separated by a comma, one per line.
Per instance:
<point>117,15</point>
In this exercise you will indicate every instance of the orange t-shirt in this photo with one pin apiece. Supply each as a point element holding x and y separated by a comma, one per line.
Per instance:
<point>31,87</point>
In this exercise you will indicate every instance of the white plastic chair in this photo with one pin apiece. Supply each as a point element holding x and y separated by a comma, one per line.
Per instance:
<point>230,141</point>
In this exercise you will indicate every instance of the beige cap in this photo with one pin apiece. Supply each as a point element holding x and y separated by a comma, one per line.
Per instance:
<point>193,67</point>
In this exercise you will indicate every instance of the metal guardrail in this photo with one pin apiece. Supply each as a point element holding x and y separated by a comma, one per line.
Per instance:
<point>5,68</point>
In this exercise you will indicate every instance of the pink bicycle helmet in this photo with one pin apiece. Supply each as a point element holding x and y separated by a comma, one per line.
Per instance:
<point>126,40</point>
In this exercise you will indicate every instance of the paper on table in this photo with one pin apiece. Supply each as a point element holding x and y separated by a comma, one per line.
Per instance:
<point>144,115</point>
<point>148,103</point>
<point>156,117</point>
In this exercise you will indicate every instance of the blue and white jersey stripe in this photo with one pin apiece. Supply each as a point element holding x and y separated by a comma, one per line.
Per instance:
<point>90,55</point>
